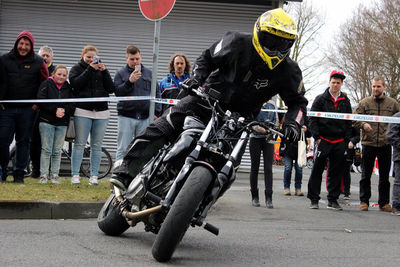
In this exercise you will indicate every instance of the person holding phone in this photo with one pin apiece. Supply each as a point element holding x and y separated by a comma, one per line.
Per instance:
<point>133,79</point>
<point>89,78</point>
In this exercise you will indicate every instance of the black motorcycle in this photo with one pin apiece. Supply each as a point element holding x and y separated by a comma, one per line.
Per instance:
<point>177,188</point>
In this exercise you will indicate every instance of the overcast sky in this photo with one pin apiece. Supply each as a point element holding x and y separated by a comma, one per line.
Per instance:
<point>335,12</point>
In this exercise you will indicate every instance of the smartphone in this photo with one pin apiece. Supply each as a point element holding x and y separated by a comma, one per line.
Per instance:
<point>138,67</point>
<point>96,60</point>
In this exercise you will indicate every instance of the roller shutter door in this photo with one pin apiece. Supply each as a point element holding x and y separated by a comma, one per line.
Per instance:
<point>68,25</point>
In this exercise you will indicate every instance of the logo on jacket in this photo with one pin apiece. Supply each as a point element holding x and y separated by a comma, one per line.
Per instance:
<point>260,83</point>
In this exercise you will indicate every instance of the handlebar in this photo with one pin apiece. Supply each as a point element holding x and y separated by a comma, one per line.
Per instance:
<point>214,95</point>
<point>269,127</point>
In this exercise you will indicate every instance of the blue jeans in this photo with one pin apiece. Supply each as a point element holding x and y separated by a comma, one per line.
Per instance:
<point>52,138</point>
<point>97,128</point>
<point>128,129</point>
<point>396,186</point>
<point>287,173</point>
<point>18,121</point>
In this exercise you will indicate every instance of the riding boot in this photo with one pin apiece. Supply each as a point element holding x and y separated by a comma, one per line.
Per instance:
<point>139,152</point>
<point>268,200</point>
<point>254,198</point>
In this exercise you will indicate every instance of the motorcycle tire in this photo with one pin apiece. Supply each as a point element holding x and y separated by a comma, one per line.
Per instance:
<point>109,220</point>
<point>181,213</point>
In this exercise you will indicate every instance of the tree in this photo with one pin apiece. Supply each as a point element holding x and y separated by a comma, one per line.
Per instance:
<point>369,45</point>
<point>306,49</point>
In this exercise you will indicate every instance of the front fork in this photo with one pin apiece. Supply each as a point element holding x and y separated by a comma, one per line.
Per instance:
<point>225,177</point>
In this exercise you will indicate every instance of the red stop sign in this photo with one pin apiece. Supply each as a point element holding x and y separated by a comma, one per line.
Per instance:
<point>156,9</point>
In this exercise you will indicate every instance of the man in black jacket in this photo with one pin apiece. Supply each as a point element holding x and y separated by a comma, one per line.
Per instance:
<point>22,73</point>
<point>393,135</point>
<point>247,69</point>
<point>332,137</point>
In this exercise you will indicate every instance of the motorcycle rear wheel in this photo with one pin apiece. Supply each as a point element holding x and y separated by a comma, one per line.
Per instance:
<point>109,220</point>
<point>180,215</point>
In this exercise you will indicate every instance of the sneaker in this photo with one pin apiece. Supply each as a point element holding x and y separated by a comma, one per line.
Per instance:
<point>299,193</point>
<point>386,208</point>
<point>334,205</point>
<point>35,173</point>
<point>55,179</point>
<point>346,196</point>
<point>268,203</point>
<point>363,206</point>
<point>43,180</point>
<point>286,192</point>
<point>396,212</point>
<point>93,180</point>
<point>314,204</point>
<point>75,179</point>
<point>255,202</point>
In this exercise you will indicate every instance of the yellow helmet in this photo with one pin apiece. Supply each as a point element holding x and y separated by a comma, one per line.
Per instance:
<point>273,36</point>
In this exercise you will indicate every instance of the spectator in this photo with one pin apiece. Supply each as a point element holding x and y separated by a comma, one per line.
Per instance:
<point>23,71</point>
<point>331,137</point>
<point>54,118</point>
<point>179,69</point>
<point>89,78</point>
<point>349,153</point>
<point>46,52</point>
<point>258,143</point>
<point>289,153</point>
<point>247,70</point>
<point>134,79</point>
<point>375,144</point>
<point>393,135</point>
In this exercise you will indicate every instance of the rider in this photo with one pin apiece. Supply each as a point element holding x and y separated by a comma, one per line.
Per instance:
<point>247,70</point>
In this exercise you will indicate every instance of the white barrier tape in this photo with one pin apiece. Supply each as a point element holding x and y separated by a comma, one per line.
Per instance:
<point>346,116</point>
<point>166,101</point>
<point>90,99</point>
<point>329,115</point>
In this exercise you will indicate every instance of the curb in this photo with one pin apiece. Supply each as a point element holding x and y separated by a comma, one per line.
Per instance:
<point>49,210</point>
<point>57,210</point>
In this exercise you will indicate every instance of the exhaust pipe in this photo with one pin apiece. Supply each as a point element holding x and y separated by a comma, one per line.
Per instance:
<point>140,214</point>
<point>135,215</point>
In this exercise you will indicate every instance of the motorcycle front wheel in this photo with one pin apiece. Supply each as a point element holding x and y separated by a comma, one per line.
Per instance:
<point>109,220</point>
<point>181,213</point>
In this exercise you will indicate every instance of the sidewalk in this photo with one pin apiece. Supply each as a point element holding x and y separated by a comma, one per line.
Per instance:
<point>85,210</point>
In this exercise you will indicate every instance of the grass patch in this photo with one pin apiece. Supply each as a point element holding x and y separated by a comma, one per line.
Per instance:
<point>31,190</point>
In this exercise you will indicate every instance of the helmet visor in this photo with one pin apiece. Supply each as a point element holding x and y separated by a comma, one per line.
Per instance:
<point>273,43</point>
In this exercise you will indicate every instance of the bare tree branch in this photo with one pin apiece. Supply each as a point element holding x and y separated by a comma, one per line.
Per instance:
<point>369,45</point>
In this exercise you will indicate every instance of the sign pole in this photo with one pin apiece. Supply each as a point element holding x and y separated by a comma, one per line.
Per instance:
<point>155,10</point>
<point>157,26</point>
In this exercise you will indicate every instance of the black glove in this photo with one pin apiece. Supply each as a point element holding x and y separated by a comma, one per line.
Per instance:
<point>291,132</point>
<point>189,84</point>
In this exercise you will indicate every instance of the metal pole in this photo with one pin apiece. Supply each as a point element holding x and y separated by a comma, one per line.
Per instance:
<point>157,27</point>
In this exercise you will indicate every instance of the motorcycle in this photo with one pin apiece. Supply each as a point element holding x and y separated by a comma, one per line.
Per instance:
<point>177,187</point>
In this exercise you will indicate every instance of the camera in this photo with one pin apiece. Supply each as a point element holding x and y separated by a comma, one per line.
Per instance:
<point>96,60</point>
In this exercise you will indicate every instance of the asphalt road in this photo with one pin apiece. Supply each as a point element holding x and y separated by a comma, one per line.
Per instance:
<point>291,234</point>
